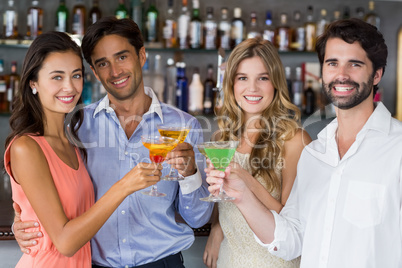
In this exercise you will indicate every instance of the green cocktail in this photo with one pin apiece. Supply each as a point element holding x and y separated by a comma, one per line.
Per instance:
<point>220,157</point>
<point>220,153</point>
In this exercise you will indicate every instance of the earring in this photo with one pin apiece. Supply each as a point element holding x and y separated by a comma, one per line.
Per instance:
<point>34,91</point>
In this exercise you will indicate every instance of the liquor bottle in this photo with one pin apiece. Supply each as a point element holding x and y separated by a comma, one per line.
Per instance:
<point>288,75</point>
<point>322,22</point>
<point>3,89</point>
<point>299,35</point>
<point>182,87</point>
<point>311,28</point>
<point>269,29</point>
<point>253,30</point>
<point>121,11</point>
<point>183,27</point>
<point>297,89</point>
<point>87,89</point>
<point>146,73</point>
<point>238,30</point>
<point>309,99</point>
<point>13,83</point>
<point>372,17</point>
<point>137,12</point>
<point>360,13</point>
<point>152,23</point>
<point>346,13</point>
<point>196,93</point>
<point>171,82</point>
<point>10,19</point>
<point>210,30</point>
<point>337,15</point>
<point>209,93</point>
<point>170,27</point>
<point>158,80</point>
<point>62,17</point>
<point>196,26</point>
<point>79,14</point>
<point>283,34</point>
<point>224,30</point>
<point>94,13</point>
<point>34,20</point>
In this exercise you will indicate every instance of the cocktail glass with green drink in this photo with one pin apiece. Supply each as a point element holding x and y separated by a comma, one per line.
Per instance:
<point>220,153</point>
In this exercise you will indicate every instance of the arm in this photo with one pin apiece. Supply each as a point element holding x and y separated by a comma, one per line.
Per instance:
<point>195,212</point>
<point>214,241</point>
<point>30,169</point>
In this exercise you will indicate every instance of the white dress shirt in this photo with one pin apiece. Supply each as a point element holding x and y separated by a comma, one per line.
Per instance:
<point>346,213</point>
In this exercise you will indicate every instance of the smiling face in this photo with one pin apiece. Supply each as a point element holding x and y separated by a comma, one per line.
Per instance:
<point>60,82</point>
<point>347,74</point>
<point>118,67</point>
<point>253,88</point>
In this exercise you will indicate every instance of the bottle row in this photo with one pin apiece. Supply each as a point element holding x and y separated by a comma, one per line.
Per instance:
<point>190,27</point>
<point>9,81</point>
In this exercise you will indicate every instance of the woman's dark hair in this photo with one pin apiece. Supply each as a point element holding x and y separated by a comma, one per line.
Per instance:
<point>107,26</point>
<point>27,116</point>
<point>356,30</point>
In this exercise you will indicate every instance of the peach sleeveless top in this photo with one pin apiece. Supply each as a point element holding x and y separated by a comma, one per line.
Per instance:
<point>76,193</point>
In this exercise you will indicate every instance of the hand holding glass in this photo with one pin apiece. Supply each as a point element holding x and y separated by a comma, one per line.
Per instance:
<point>220,153</point>
<point>158,147</point>
<point>176,132</point>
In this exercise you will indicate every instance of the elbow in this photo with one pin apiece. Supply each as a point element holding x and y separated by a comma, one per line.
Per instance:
<point>65,250</point>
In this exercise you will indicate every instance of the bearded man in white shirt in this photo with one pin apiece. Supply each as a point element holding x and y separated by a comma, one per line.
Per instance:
<point>345,206</point>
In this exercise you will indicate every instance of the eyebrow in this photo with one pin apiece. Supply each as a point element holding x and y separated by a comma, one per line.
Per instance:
<point>62,72</point>
<point>351,61</point>
<point>114,55</point>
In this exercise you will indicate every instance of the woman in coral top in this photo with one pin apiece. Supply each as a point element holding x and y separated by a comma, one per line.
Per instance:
<point>48,177</point>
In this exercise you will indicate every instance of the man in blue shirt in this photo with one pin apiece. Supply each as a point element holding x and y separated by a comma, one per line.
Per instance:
<point>143,230</point>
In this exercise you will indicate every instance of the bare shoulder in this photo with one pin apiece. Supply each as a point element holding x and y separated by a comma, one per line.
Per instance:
<point>23,146</point>
<point>300,139</point>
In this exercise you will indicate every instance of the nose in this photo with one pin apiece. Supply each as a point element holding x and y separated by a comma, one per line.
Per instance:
<point>115,69</point>
<point>252,85</point>
<point>343,73</point>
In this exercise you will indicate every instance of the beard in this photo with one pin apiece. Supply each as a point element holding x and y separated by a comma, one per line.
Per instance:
<point>362,92</point>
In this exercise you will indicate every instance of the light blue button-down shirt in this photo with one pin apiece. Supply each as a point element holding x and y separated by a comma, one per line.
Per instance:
<point>143,228</point>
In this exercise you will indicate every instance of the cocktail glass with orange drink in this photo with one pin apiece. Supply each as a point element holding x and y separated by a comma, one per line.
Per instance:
<point>176,132</point>
<point>158,147</point>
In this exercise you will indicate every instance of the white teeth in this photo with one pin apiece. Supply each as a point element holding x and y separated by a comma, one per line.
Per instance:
<point>253,98</point>
<point>343,89</point>
<point>121,81</point>
<point>66,98</point>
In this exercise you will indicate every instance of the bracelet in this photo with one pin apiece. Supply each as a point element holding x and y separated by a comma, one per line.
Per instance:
<point>12,228</point>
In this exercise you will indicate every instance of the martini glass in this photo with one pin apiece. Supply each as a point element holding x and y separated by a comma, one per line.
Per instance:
<point>158,147</point>
<point>220,153</point>
<point>176,132</point>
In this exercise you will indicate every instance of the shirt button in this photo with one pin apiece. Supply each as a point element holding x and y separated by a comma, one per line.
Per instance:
<point>187,207</point>
<point>126,153</point>
<point>123,212</point>
<point>124,240</point>
<point>126,266</point>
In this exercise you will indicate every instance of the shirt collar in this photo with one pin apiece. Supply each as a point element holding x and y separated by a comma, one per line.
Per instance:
<point>379,120</point>
<point>154,108</point>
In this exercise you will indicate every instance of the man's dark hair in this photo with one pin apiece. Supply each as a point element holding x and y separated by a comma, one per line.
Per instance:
<point>107,26</point>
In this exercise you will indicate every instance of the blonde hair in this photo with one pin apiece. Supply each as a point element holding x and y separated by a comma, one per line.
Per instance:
<point>278,122</point>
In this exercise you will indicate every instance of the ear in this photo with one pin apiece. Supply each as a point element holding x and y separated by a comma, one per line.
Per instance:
<point>32,84</point>
<point>142,56</point>
<point>377,76</point>
<point>94,72</point>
